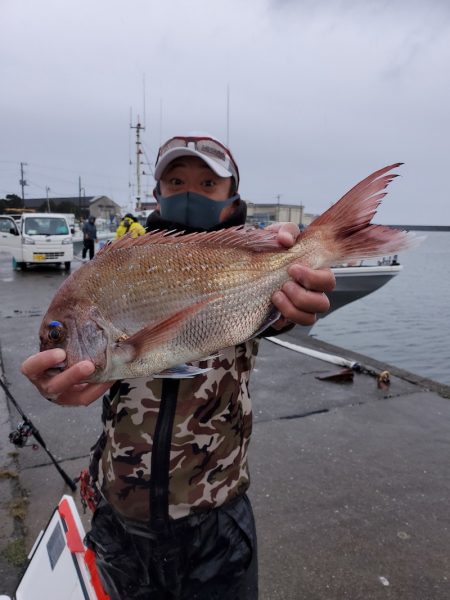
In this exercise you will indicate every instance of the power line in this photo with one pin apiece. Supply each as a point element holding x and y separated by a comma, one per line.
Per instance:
<point>91,173</point>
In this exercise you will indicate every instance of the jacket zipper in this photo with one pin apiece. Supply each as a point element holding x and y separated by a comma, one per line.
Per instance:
<point>162,441</point>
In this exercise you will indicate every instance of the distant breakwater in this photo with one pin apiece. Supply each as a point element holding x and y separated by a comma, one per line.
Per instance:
<point>423,227</point>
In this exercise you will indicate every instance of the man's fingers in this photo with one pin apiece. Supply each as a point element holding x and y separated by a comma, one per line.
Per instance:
<point>303,296</point>
<point>286,238</point>
<point>306,315</point>
<point>36,365</point>
<point>54,386</point>
<point>70,377</point>
<point>287,233</point>
<point>68,388</point>
<point>305,300</point>
<point>319,280</point>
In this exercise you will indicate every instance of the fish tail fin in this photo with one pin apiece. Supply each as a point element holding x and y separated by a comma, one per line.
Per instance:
<point>345,229</point>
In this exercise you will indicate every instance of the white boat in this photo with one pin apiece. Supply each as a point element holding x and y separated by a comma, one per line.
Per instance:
<point>356,282</point>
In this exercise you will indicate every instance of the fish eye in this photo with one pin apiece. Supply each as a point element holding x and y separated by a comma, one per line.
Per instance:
<point>55,331</point>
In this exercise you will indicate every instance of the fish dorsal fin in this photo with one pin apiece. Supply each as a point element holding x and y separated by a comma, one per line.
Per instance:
<point>256,240</point>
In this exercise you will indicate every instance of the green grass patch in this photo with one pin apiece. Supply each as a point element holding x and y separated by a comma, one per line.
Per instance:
<point>18,508</point>
<point>15,552</point>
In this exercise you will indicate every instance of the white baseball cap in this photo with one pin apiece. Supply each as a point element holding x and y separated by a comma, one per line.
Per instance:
<point>211,151</point>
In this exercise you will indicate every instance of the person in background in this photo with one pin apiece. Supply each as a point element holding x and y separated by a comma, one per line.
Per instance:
<point>136,229</point>
<point>169,475</point>
<point>89,238</point>
<point>129,224</point>
<point>124,225</point>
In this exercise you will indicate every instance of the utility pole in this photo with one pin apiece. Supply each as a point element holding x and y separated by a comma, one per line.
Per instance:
<point>278,196</point>
<point>138,128</point>
<point>79,196</point>
<point>47,189</point>
<point>22,180</point>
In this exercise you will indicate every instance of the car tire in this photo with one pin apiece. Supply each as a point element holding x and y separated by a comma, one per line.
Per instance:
<point>22,266</point>
<point>67,266</point>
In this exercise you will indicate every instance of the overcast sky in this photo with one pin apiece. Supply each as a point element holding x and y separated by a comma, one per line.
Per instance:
<point>321,93</point>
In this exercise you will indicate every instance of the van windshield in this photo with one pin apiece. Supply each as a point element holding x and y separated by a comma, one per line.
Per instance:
<point>46,226</point>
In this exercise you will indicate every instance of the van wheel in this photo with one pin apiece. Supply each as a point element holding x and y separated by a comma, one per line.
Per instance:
<point>22,266</point>
<point>67,266</point>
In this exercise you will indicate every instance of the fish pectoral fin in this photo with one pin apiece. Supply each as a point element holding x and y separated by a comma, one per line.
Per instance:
<point>181,372</point>
<point>273,316</point>
<point>153,335</point>
<point>217,354</point>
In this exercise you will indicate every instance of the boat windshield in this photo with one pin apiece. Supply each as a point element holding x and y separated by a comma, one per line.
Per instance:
<point>46,226</point>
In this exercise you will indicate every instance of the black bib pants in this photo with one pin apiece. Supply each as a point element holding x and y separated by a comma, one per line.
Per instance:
<point>207,556</point>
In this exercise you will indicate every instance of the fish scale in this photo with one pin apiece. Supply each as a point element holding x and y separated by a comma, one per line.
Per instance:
<point>148,304</point>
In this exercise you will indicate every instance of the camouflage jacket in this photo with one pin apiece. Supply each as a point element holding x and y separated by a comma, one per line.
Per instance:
<point>179,449</point>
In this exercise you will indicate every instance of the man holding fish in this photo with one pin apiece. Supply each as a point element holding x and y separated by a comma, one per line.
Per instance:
<point>170,470</point>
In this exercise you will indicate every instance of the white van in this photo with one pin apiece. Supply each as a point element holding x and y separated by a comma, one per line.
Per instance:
<point>37,238</point>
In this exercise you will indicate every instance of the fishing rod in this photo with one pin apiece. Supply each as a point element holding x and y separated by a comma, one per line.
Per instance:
<point>330,358</point>
<point>19,436</point>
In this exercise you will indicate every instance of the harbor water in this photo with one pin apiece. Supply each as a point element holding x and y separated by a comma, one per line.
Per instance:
<point>406,323</point>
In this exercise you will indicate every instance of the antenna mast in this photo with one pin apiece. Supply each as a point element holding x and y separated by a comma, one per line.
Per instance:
<point>138,128</point>
<point>228,115</point>
<point>143,94</point>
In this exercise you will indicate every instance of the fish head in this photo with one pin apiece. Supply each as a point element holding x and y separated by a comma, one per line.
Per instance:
<point>81,333</point>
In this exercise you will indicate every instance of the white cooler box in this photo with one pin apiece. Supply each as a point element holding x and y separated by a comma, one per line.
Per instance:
<point>60,567</point>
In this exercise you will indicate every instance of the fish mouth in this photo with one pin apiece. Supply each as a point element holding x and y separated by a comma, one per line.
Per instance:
<point>56,369</point>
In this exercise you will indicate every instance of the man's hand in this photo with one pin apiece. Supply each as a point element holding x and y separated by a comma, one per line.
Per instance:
<point>303,295</point>
<point>65,388</point>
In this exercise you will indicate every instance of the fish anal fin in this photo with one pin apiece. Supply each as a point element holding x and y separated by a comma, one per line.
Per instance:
<point>273,316</point>
<point>183,371</point>
<point>157,333</point>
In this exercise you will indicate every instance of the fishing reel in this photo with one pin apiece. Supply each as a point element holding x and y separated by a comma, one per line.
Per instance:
<point>20,435</point>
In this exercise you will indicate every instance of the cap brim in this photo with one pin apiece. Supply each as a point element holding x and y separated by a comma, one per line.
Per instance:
<point>171,155</point>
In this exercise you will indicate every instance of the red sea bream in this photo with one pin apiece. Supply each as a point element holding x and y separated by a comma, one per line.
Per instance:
<point>151,304</point>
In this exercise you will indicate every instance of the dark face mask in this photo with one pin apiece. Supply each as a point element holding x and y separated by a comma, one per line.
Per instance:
<point>194,210</point>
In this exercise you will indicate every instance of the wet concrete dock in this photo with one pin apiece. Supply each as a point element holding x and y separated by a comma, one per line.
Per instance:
<point>350,483</point>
